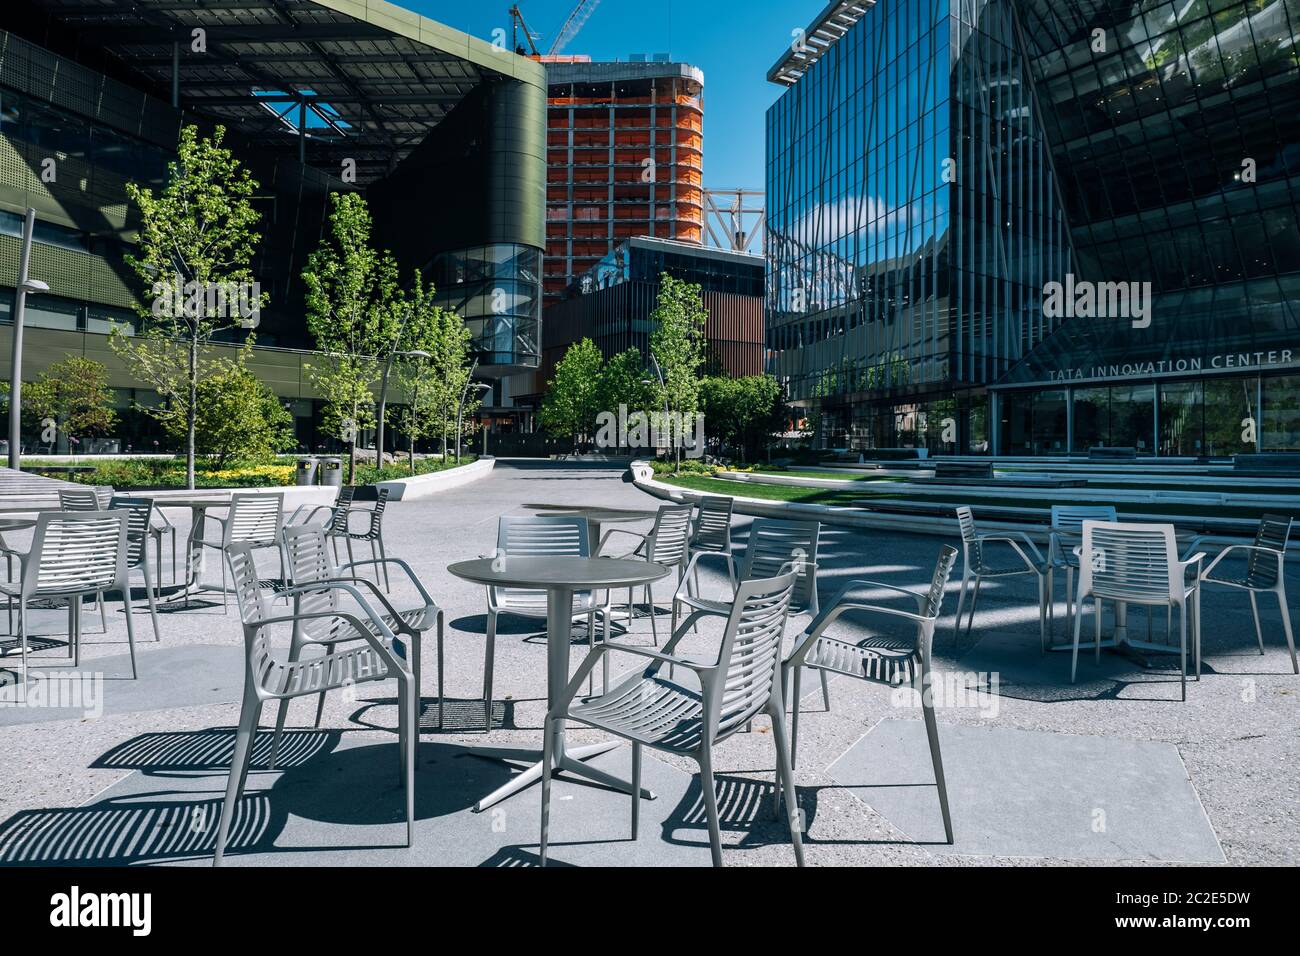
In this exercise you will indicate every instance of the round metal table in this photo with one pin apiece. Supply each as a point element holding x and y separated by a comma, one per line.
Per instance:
<point>198,507</point>
<point>559,577</point>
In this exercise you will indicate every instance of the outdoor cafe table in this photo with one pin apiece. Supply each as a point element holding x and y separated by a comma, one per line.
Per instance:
<point>559,577</point>
<point>198,506</point>
<point>596,516</point>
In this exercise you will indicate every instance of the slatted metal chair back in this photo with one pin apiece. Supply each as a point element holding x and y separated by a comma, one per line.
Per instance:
<point>773,545</point>
<point>254,517</point>
<point>1129,562</point>
<point>77,552</point>
<point>942,569</point>
<point>669,539</point>
<point>246,585</point>
<point>306,549</point>
<point>381,502</point>
<point>79,499</point>
<point>970,542</point>
<point>339,518</point>
<point>543,535</point>
<point>139,521</point>
<point>750,655</point>
<point>1070,518</point>
<point>1273,533</point>
<point>712,530</point>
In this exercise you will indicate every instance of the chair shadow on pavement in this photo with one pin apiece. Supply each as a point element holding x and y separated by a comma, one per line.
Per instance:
<point>169,810</point>
<point>745,806</point>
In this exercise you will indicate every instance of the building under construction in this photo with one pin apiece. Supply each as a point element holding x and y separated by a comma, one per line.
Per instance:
<point>624,158</point>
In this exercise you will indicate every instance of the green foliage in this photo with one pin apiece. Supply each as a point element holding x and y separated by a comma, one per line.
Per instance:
<point>199,228</point>
<point>240,418</point>
<point>677,344</point>
<point>743,412</point>
<point>571,401</point>
<point>354,306</point>
<point>75,394</point>
<point>433,385</point>
<point>625,381</point>
<point>146,473</point>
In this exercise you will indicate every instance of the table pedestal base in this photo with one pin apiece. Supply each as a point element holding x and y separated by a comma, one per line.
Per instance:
<point>570,763</point>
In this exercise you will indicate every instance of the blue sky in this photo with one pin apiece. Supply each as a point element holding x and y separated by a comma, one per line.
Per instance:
<point>734,43</point>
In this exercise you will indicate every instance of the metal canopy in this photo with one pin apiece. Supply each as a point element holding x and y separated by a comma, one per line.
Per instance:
<point>367,86</point>
<point>835,20</point>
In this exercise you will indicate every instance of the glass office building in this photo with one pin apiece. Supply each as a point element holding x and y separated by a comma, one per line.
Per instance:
<point>936,165</point>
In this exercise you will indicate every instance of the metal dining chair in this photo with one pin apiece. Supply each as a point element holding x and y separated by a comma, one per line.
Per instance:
<point>1065,535</point>
<point>773,545</point>
<point>308,514</point>
<point>667,544</point>
<point>72,555</point>
<point>1138,564</point>
<point>690,719</point>
<point>976,565</point>
<point>252,519</point>
<point>538,535</point>
<point>100,497</point>
<point>1265,573</point>
<point>711,531</point>
<point>267,677</point>
<point>140,511</point>
<point>307,551</point>
<point>878,658</point>
<point>341,530</point>
<point>88,499</point>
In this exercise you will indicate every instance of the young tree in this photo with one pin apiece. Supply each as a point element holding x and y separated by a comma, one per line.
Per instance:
<point>570,404</point>
<point>240,419</point>
<point>196,235</point>
<point>354,306</point>
<point>744,412</point>
<point>74,394</point>
<point>626,381</point>
<point>677,345</point>
<point>434,384</point>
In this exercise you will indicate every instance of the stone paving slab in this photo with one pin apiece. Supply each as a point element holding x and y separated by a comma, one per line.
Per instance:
<point>185,676</point>
<point>1020,793</point>
<point>339,802</point>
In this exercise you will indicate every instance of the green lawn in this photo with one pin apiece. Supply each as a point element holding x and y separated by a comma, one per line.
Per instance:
<point>853,497</point>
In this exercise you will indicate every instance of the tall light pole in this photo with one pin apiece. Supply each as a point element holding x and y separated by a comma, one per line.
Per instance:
<point>460,409</point>
<point>383,386</point>
<point>26,286</point>
<point>383,393</point>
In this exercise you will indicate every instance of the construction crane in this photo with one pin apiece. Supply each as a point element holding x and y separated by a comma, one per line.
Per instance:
<point>572,25</point>
<point>516,24</point>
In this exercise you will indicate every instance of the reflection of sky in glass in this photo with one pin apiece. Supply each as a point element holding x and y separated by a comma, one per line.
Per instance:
<point>890,141</point>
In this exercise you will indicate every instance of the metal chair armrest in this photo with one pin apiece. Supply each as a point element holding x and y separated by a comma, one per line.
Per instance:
<point>419,585</point>
<point>1011,539</point>
<point>338,585</point>
<point>695,559</point>
<point>376,641</point>
<point>805,641</point>
<point>590,661</point>
<point>613,531</point>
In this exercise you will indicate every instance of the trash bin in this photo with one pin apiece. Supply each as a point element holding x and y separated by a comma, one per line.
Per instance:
<point>331,472</point>
<point>306,471</point>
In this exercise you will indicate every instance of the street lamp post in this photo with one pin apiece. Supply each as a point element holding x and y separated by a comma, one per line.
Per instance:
<point>383,393</point>
<point>383,387</point>
<point>460,409</point>
<point>26,286</point>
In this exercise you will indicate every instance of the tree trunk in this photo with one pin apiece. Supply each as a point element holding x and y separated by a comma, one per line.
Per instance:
<point>352,446</point>
<point>192,410</point>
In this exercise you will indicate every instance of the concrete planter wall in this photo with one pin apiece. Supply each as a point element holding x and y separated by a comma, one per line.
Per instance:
<point>420,486</point>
